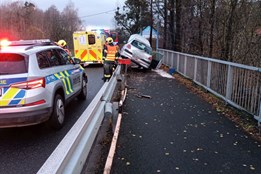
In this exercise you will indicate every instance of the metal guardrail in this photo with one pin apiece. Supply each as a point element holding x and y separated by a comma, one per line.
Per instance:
<point>71,153</point>
<point>237,84</point>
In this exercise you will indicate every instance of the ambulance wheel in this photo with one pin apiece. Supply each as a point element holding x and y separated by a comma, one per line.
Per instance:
<point>56,120</point>
<point>83,94</point>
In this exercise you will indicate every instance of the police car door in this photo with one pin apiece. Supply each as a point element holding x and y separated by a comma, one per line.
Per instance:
<point>72,74</point>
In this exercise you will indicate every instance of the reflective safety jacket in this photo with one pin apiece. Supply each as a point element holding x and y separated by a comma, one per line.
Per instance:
<point>111,52</point>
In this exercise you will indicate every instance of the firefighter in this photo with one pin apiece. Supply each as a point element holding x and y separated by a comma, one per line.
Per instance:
<point>63,44</point>
<point>110,57</point>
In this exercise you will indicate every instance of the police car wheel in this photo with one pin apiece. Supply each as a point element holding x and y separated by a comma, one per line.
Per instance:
<point>83,94</point>
<point>57,118</point>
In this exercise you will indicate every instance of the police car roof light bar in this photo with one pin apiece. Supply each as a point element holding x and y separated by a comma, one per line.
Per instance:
<point>31,42</point>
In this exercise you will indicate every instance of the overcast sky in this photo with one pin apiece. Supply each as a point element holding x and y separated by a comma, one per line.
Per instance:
<point>94,13</point>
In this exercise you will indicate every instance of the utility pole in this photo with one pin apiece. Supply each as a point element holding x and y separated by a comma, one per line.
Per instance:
<point>151,22</point>
<point>158,24</point>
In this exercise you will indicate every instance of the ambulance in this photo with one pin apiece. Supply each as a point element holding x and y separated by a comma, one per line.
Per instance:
<point>88,46</point>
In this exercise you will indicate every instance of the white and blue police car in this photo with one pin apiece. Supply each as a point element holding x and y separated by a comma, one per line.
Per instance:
<point>37,80</point>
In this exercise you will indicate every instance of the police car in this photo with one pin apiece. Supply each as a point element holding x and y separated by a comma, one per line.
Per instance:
<point>37,80</point>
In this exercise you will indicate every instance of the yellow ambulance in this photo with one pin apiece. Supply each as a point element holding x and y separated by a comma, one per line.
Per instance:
<point>88,46</point>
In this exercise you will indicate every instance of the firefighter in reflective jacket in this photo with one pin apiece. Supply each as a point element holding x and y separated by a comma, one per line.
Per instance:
<point>110,58</point>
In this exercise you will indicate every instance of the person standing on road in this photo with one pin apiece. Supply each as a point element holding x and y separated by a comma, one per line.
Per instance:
<point>110,57</point>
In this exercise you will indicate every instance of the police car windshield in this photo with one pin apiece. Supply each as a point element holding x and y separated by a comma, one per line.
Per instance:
<point>12,64</point>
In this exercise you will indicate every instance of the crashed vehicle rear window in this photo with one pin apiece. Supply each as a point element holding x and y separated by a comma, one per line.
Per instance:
<point>12,64</point>
<point>142,46</point>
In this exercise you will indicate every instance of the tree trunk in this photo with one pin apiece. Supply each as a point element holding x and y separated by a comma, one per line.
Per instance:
<point>178,26</point>
<point>171,25</point>
<point>200,30</point>
<point>151,22</point>
<point>229,33</point>
<point>165,23</point>
<point>212,22</point>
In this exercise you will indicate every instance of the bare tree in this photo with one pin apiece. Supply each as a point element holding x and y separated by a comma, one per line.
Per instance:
<point>172,23</point>
<point>134,16</point>
<point>20,20</point>
<point>165,23</point>
<point>227,49</point>
<point>69,19</point>
<point>177,41</point>
<point>212,22</point>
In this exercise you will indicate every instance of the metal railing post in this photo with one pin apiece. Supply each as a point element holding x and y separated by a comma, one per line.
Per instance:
<point>185,66</point>
<point>260,110</point>
<point>178,62</point>
<point>167,60</point>
<point>195,69</point>
<point>258,117</point>
<point>209,74</point>
<point>229,82</point>
<point>172,60</point>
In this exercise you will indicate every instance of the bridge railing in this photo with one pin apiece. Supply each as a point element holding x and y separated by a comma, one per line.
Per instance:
<point>239,85</point>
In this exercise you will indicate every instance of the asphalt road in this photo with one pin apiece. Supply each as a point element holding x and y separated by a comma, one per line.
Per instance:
<point>175,131</point>
<point>24,150</point>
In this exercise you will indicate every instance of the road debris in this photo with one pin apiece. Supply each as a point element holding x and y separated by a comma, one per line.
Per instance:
<point>143,96</point>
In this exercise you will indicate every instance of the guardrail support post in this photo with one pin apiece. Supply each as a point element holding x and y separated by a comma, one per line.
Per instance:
<point>108,109</point>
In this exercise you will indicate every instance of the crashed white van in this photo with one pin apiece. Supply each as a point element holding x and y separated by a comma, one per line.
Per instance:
<point>138,49</point>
